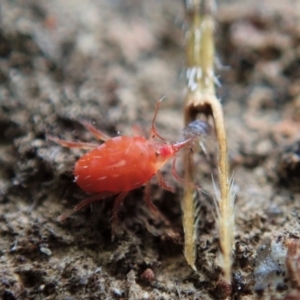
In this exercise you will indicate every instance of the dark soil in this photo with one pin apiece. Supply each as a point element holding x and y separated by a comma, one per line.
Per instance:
<point>108,62</point>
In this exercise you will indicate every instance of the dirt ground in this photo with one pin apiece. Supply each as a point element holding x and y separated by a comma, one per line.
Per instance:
<point>108,62</point>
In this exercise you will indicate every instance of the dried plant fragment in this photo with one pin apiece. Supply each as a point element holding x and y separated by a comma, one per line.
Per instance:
<point>201,99</point>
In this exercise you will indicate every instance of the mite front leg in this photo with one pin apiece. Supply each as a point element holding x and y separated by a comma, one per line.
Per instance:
<point>162,182</point>
<point>116,208</point>
<point>152,207</point>
<point>148,198</point>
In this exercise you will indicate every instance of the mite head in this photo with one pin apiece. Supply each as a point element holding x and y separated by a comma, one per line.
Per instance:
<point>164,152</point>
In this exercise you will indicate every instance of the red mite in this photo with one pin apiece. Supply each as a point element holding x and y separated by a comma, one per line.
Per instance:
<point>122,164</point>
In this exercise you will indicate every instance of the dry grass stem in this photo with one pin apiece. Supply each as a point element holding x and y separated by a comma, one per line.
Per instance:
<point>201,99</point>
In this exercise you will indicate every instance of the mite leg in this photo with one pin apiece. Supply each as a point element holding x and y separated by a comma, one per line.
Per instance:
<point>95,132</point>
<point>116,207</point>
<point>153,131</point>
<point>148,198</point>
<point>137,130</point>
<point>152,207</point>
<point>84,203</point>
<point>72,144</point>
<point>175,174</point>
<point>162,182</point>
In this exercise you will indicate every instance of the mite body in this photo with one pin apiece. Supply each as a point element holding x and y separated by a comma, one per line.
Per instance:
<point>121,164</point>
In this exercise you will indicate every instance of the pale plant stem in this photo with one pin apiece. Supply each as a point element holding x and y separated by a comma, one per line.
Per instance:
<point>201,99</point>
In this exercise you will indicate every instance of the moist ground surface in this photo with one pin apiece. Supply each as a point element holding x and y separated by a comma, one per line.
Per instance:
<point>108,62</point>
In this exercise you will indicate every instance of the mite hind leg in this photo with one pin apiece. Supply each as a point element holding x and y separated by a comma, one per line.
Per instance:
<point>98,134</point>
<point>137,130</point>
<point>93,130</point>
<point>84,203</point>
<point>67,144</point>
